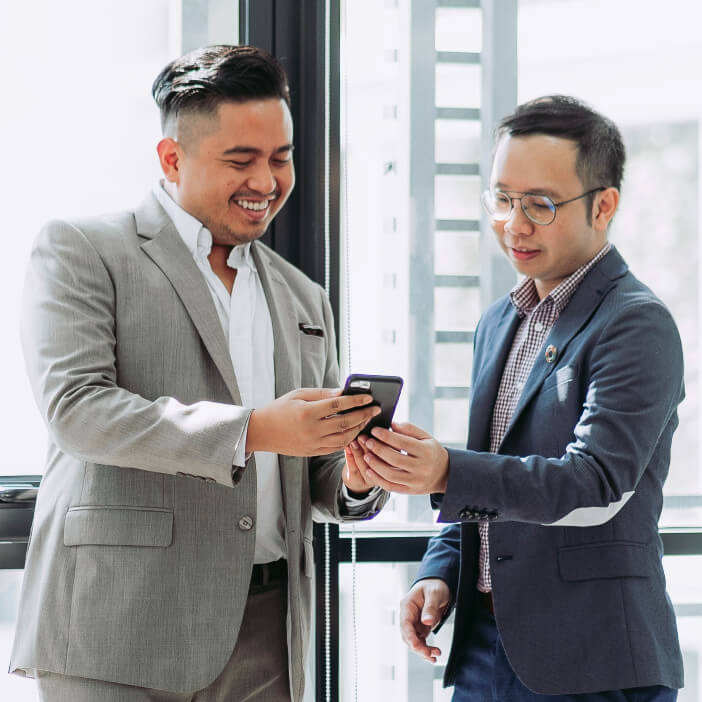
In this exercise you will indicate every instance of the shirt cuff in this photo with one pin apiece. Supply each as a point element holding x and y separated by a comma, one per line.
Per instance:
<point>240,455</point>
<point>355,505</point>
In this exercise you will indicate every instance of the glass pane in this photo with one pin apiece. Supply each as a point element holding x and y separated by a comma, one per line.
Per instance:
<point>451,421</point>
<point>456,309</point>
<point>453,364</point>
<point>682,574</point>
<point>370,633</point>
<point>83,142</point>
<point>374,662</point>
<point>457,197</point>
<point>12,687</point>
<point>458,85</point>
<point>457,253</point>
<point>392,303</point>
<point>459,29</point>
<point>457,141</point>
<point>652,93</point>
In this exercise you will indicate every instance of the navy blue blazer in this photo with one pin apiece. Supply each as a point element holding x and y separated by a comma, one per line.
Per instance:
<point>573,495</point>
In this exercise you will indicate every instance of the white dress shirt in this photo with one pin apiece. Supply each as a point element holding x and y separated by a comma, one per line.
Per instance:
<point>246,322</point>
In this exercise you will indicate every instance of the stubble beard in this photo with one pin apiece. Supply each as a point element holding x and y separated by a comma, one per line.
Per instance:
<point>224,235</point>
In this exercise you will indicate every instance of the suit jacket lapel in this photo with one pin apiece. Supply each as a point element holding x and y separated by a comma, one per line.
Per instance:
<point>484,393</point>
<point>168,251</point>
<point>585,301</point>
<point>286,361</point>
<point>286,334</point>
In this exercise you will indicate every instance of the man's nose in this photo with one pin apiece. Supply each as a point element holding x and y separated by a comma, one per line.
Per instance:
<point>518,223</point>
<point>262,180</point>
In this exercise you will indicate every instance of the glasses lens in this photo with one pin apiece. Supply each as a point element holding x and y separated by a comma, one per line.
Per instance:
<point>497,204</point>
<point>539,208</point>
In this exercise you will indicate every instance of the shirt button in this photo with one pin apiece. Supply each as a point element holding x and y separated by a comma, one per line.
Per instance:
<point>539,327</point>
<point>245,523</point>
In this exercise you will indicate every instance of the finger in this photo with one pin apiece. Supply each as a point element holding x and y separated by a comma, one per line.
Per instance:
<point>315,394</point>
<point>340,403</point>
<point>417,642</point>
<point>432,611</point>
<point>389,455</point>
<point>347,426</point>
<point>399,442</point>
<point>372,477</point>
<point>413,639</point>
<point>410,430</point>
<point>354,459</point>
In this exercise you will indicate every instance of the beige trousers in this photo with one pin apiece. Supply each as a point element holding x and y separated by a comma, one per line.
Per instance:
<point>256,672</point>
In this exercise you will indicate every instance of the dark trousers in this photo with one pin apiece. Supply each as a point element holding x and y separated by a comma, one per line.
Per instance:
<point>485,675</point>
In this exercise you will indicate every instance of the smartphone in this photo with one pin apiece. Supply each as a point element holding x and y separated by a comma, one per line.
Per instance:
<point>385,390</point>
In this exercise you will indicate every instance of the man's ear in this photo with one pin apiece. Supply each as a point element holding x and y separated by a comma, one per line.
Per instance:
<point>604,207</point>
<point>170,154</point>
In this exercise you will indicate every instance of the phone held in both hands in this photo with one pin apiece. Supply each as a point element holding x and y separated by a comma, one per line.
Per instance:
<point>385,390</point>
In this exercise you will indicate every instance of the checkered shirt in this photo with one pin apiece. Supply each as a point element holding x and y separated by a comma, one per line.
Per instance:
<point>537,319</point>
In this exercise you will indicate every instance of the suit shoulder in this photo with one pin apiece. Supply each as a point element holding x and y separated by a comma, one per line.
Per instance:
<point>630,295</point>
<point>96,230</point>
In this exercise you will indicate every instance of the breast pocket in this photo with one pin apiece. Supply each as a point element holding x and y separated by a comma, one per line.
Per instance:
<point>313,357</point>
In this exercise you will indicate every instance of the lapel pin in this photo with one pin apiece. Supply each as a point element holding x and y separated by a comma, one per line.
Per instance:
<point>551,353</point>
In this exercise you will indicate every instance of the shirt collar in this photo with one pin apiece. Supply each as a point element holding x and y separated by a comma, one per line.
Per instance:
<point>525,297</point>
<point>197,237</point>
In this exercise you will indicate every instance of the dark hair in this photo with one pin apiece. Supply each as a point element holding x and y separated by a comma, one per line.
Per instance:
<point>600,150</point>
<point>201,80</point>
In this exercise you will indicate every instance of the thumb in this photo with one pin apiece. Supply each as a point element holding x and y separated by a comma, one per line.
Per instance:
<point>430,613</point>
<point>409,430</point>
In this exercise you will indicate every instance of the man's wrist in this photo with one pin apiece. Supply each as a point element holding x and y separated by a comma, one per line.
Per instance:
<point>358,495</point>
<point>255,432</point>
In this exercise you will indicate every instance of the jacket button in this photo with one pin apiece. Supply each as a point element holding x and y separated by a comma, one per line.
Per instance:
<point>245,523</point>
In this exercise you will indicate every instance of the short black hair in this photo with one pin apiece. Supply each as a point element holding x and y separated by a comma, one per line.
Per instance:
<point>600,149</point>
<point>204,78</point>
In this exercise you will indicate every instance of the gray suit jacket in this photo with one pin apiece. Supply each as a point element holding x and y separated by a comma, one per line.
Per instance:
<point>573,495</point>
<point>138,567</point>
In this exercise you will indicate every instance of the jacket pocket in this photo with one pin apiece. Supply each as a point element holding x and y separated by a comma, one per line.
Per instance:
<point>101,525</point>
<point>615,559</point>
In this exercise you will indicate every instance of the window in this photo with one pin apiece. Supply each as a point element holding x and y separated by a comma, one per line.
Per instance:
<point>80,132</point>
<point>421,87</point>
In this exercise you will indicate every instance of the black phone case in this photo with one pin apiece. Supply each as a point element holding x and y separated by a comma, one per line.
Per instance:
<point>385,390</point>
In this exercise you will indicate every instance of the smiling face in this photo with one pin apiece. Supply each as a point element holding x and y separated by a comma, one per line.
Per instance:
<point>232,171</point>
<point>545,165</point>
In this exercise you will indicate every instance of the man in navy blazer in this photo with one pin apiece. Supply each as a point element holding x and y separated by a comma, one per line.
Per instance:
<point>553,561</point>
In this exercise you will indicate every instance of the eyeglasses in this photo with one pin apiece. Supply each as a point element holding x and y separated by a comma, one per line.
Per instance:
<point>540,209</point>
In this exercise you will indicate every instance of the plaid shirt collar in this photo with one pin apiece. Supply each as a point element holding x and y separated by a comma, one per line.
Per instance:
<point>525,297</point>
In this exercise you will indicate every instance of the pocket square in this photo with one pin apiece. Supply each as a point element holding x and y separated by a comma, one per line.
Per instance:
<point>312,329</point>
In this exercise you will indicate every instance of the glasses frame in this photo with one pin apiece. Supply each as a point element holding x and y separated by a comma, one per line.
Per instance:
<point>503,218</point>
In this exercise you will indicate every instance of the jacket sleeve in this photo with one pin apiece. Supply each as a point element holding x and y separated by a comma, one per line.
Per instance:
<point>632,389</point>
<point>442,558</point>
<point>69,341</point>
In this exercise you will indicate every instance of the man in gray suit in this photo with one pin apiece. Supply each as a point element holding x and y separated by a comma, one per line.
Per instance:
<point>553,561</point>
<point>171,551</point>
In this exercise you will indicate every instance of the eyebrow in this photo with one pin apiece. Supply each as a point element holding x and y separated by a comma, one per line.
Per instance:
<point>254,151</point>
<point>532,191</point>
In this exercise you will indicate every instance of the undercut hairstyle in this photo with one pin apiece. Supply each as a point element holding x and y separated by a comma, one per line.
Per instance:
<point>198,82</point>
<point>600,154</point>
